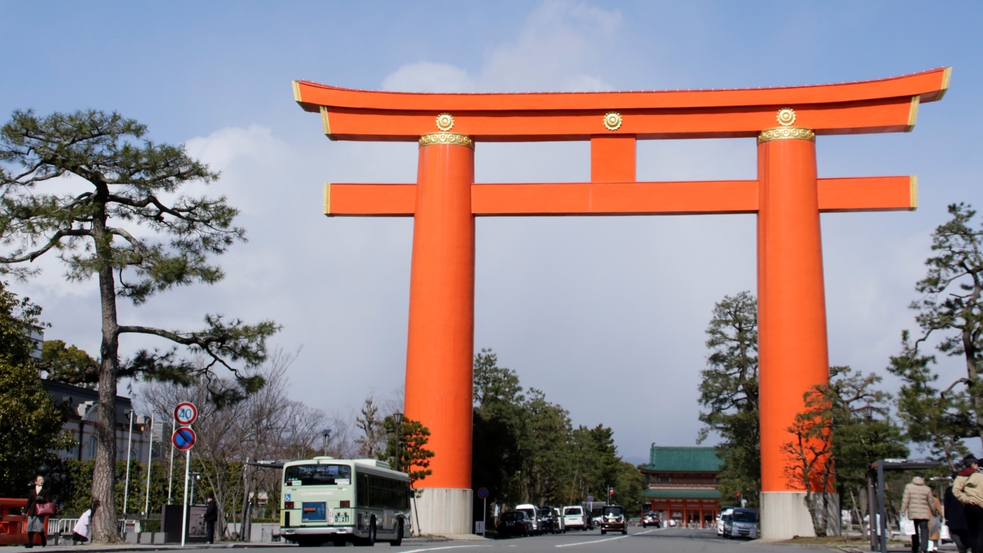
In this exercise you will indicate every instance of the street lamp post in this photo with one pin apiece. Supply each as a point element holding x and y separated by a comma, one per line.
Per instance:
<point>398,419</point>
<point>197,476</point>
<point>326,434</point>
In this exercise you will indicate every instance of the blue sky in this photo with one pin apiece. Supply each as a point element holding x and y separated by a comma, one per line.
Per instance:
<point>567,302</point>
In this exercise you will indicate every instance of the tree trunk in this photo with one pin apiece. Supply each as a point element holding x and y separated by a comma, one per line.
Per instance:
<point>104,528</point>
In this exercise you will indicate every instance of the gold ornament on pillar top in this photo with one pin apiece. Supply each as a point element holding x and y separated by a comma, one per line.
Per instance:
<point>448,138</point>
<point>786,116</point>
<point>445,122</point>
<point>786,133</point>
<point>612,120</point>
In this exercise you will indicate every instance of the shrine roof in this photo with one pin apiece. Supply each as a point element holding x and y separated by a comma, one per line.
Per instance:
<point>682,459</point>
<point>676,493</point>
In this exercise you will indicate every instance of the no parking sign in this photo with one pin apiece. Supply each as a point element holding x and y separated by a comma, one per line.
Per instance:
<point>184,439</point>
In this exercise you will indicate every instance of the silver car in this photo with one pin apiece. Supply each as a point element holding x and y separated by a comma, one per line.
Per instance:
<point>742,523</point>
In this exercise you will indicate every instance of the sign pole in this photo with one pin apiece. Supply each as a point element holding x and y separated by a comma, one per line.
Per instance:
<point>184,517</point>
<point>150,466</point>
<point>170,472</point>
<point>484,515</point>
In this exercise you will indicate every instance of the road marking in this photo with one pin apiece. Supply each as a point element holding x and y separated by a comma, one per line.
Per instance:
<point>590,542</point>
<point>445,547</point>
<point>644,532</point>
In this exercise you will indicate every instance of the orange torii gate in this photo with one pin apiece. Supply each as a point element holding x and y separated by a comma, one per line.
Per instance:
<point>787,197</point>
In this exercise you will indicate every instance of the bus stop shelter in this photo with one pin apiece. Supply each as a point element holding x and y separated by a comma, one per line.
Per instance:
<point>876,505</point>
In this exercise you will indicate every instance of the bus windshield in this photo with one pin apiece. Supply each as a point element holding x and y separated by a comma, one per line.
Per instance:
<point>317,475</point>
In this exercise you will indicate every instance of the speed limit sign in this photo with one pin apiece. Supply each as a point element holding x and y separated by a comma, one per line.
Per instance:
<point>185,413</point>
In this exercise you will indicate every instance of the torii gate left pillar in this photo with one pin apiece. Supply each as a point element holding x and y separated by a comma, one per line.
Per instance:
<point>440,348</point>
<point>787,198</point>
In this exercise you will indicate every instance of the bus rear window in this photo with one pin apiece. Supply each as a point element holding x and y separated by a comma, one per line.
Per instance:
<point>317,475</point>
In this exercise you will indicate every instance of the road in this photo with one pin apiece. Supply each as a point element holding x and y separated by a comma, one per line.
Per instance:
<point>647,540</point>
<point>640,540</point>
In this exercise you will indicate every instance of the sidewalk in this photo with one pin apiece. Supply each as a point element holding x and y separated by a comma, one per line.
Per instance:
<point>221,545</point>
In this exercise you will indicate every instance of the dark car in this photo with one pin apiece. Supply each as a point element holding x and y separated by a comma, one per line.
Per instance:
<point>651,519</point>
<point>513,523</point>
<point>546,521</point>
<point>613,518</point>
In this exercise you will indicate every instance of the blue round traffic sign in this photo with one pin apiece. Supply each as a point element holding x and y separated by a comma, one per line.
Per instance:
<point>184,439</point>
<point>482,493</point>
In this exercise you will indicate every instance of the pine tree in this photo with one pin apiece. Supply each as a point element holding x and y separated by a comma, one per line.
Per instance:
<point>90,188</point>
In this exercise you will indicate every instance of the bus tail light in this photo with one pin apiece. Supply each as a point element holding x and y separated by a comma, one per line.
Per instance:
<point>288,504</point>
<point>345,504</point>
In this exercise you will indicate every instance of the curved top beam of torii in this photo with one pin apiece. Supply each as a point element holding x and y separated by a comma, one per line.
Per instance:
<point>884,105</point>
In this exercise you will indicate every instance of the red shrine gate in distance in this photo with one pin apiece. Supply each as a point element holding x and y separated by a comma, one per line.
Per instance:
<point>787,198</point>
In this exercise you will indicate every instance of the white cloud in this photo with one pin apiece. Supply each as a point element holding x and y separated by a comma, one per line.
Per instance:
<point>562,47</point>
<point>427,76</point>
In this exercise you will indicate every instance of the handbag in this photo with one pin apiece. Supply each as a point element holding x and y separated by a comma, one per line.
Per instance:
<point>45,509</point>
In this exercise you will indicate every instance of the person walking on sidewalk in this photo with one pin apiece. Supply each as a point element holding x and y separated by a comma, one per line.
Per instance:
<point>918,504</point>
<point>955,516</point>
<point>968,489</point>
<point>38,495</point>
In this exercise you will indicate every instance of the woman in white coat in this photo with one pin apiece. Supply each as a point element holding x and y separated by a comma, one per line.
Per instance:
<point>83,528</point>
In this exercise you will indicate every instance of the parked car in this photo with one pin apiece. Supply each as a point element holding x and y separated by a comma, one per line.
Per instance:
<point>741,523</point>
<point>613,518</point>
<point>651,519</point>
<point>546,522</point>
<point>532,513</point>
<point>513,523</point>
<point>724,516</point>
<point>574,517</point>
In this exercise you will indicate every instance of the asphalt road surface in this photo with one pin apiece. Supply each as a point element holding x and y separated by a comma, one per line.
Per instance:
<point>640,540</point>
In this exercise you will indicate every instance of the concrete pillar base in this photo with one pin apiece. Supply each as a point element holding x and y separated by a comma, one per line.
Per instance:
<point>784,515</point>
<point>443,511</point>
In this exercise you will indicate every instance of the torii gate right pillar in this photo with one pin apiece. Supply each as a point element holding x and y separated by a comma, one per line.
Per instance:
<point>792,348</point>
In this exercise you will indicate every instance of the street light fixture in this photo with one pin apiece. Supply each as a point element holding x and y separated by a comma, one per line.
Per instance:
<point>326,434</point>
<point>398,419</point>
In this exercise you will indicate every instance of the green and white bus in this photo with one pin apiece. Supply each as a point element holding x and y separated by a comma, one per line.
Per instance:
<point>327,500</point>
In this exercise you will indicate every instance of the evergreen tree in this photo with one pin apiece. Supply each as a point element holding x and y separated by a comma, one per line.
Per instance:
<point>845,426</point>
<point>952,308</point>
<point>121,218</point>
<point>729,395</point>
<point>30,422</point>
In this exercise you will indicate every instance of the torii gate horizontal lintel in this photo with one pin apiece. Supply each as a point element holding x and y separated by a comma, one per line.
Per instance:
<point>878,106</point>
<point>622,198</point>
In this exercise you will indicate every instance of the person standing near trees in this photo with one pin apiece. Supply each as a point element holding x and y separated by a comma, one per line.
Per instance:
<point>39,494</point>
<point>210,516</point>
<point>968,489</point>
<point>918,504</point>
<point>82,531</point>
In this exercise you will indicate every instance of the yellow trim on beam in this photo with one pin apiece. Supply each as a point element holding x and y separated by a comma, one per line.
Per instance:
<point>325,122</point>
<point>946,75</point>
<point>327,198</point>
<point>296,91</point>
<point>914,193</point>
<point>913,112</point>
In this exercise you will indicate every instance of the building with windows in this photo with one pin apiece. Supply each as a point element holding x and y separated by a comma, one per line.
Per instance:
<point>681,483</point>
<point>80,420</point>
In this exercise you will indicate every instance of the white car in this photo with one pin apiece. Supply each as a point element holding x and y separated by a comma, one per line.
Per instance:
<point>726,512</point>
<point>532,513</point>
<point>574,517</point>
